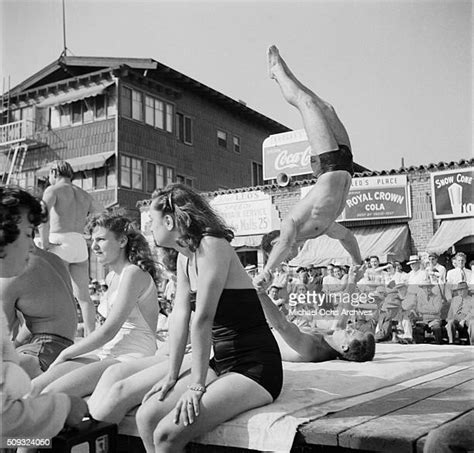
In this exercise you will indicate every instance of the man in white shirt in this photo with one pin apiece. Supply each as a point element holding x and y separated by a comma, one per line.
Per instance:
<point>417,275</point>
<point>436,271</point>
<point>459,273</point>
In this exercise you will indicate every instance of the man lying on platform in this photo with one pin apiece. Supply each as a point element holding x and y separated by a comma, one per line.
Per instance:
<point>298,345</point>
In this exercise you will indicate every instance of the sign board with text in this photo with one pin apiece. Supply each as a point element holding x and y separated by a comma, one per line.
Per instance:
<point>246,213</point>
<point>452,193</point>
<point>376,197</point>
<point>287,153</point>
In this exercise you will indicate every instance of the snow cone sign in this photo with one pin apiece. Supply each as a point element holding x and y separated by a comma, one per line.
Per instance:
<point>287,153</point>
<point>453,193</point>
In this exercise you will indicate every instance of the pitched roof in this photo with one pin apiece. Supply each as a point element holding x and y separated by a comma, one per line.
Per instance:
<point>66,67</point>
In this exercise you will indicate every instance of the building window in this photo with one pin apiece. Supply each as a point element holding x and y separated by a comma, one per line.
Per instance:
<point>169,118</point>
<point>184,129</point>
<point>137,174</point>
<point>236,141</point>
<point>155,177</point>
<point>137,105</point>
<point>149,110</point>
<point>131,172</point>
<point>126,101</point>
<point>125,168</point>
<point>257,174</point>
<point>99,104</point>
<point>183,180</point>
<point>26,180</point>
<point>159,114</point>
<point>65,115</point>
<point>83,111</point>
<point>169,175</point>
<point>222,138</point>
<point>88,110</point>
<point>111,102</point>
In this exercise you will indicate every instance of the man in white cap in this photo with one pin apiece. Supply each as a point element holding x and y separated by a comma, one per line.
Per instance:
<point>417,273</point>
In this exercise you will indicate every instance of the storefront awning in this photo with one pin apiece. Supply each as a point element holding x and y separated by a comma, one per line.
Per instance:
<point>80,163</point>
<point>247,241</point>
<point>388,242</point>
<point>450,232</point>
<point>74,95</point>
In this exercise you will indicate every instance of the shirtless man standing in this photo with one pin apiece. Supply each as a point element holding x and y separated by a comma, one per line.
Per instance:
<point>68,207</point>
<point>332,164</point>
<point>43,295</point>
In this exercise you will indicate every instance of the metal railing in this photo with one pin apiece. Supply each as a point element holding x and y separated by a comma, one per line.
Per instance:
<point>15,132</point>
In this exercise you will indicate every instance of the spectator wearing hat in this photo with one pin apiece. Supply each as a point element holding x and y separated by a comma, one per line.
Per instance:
<point>436,271</point>
<point>459,273</point>
<point>417,274</point>
<point>428,308</point>
<point>461,313</point>
<point>251,270</point>
<point>389,312</point>
<point>315,280</point>
<point>281,280</point>
<point>408,304</point>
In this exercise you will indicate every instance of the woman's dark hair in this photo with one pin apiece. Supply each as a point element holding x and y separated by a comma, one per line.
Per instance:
<point>137,249</point>
<point>13,201</point>
<point>192,214</point>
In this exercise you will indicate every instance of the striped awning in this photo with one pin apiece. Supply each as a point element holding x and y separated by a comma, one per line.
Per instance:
<point>74,94</point>
<point>450,232</point>
<point>80,163</point>
<point>388,242</point>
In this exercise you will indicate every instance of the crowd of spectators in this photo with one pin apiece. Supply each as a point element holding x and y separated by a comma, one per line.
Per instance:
<point>415,301</point>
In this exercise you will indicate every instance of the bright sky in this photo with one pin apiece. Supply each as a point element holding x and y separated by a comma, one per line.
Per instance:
<point>399,73</point>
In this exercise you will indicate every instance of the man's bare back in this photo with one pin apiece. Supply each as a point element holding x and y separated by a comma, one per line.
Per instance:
<point>68,207</point>
<point>43,294</point>
<point>69,212</point>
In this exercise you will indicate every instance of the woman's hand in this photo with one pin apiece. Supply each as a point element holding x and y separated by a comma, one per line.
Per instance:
<point>187,407</point>
<point>161,388</point>
<point>62,357</point>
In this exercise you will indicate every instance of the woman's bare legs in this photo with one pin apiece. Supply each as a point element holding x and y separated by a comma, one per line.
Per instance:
<point>123,386</point>
<point>82,380</point>
<point>226,397</point>
<point>41,382</point>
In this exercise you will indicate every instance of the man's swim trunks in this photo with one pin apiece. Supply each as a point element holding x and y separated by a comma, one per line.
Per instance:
<point>340,159</point>
<point>70,247</point>
<point>45,347</point>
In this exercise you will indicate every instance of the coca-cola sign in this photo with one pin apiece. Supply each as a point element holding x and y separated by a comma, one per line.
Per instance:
<point>287,153</point>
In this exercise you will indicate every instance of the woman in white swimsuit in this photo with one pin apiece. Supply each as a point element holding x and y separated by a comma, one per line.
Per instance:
<point>130,308</point>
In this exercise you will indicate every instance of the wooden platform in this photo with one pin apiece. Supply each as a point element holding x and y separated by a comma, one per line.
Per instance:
<point>397,422</point>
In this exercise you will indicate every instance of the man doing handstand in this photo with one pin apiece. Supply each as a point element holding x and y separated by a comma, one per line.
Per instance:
<point>331,161</point>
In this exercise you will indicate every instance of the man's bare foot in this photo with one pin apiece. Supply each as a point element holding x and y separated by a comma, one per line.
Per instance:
<point>291,88</point>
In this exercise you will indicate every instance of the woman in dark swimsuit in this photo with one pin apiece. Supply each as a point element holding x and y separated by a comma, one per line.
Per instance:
<point>245,371</point>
